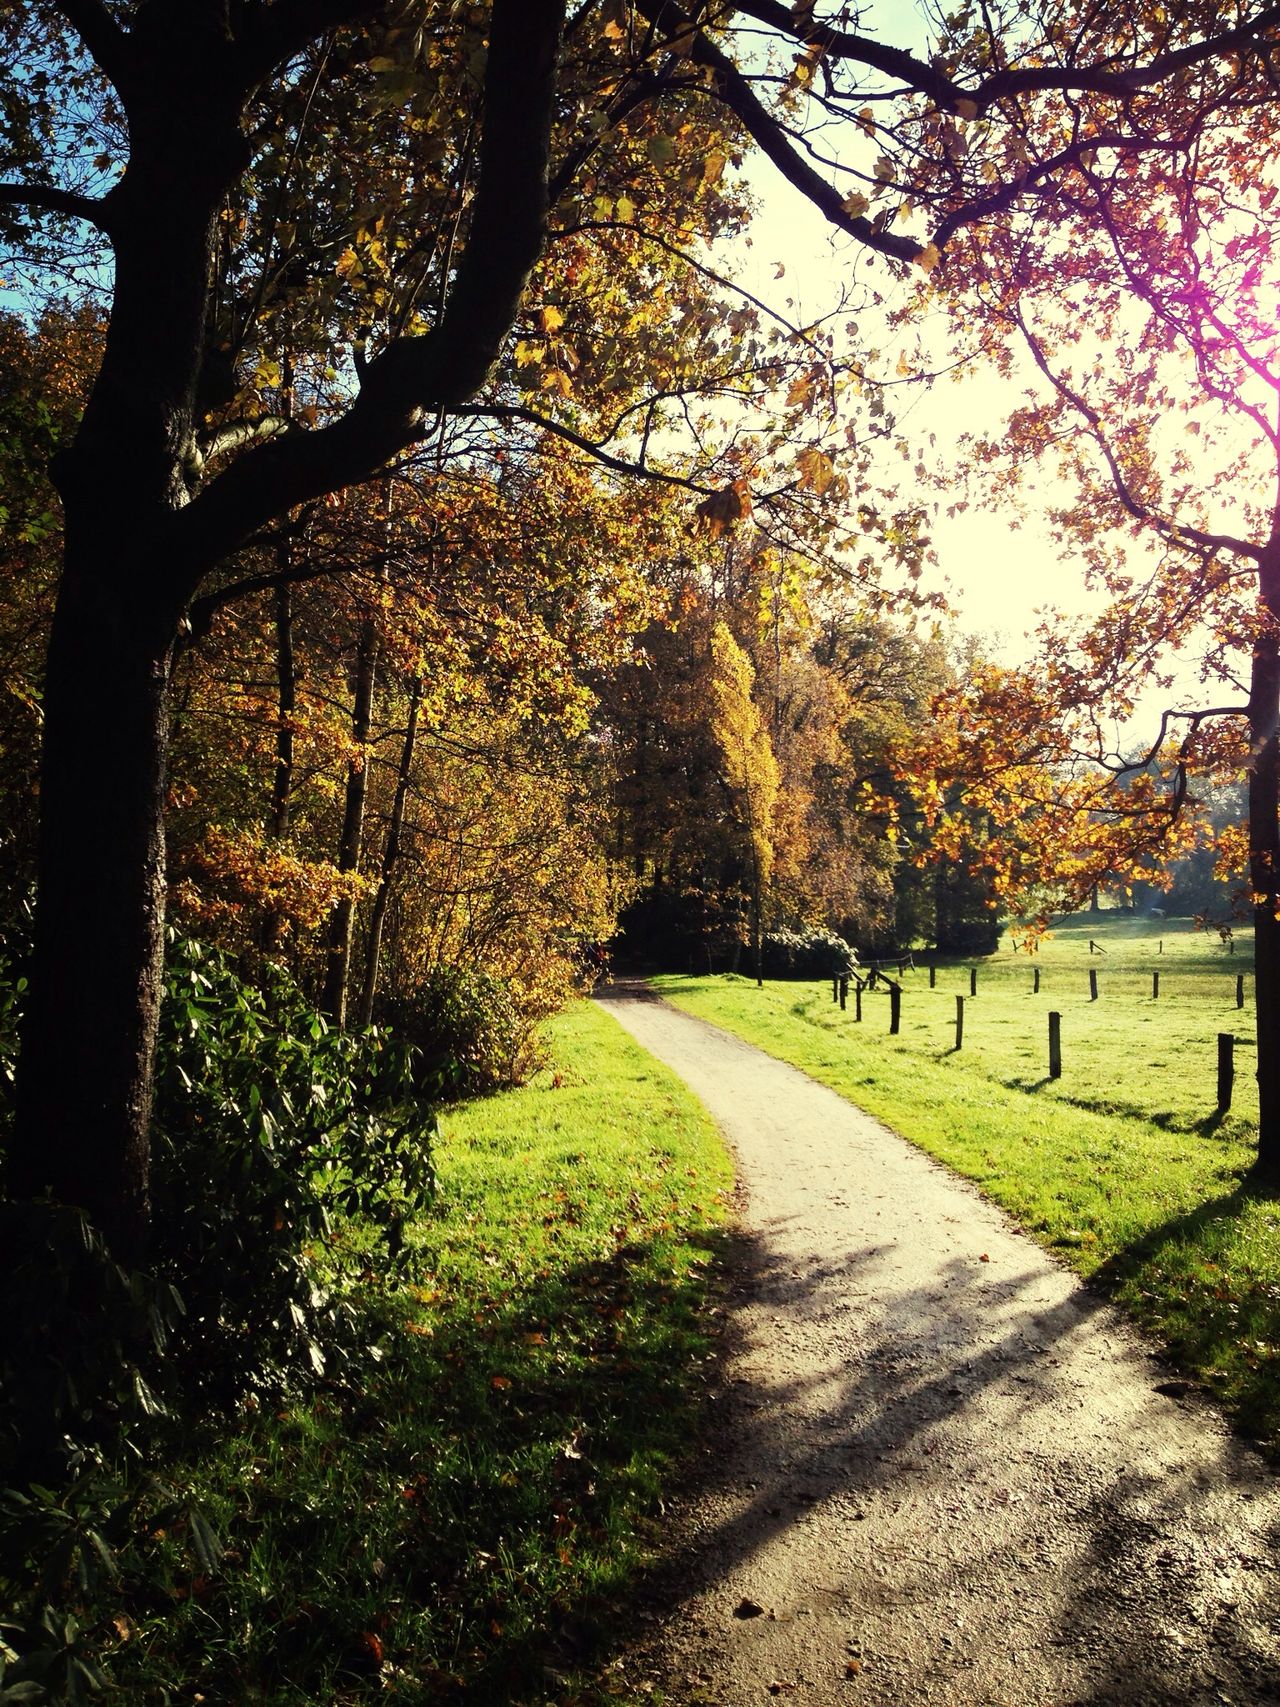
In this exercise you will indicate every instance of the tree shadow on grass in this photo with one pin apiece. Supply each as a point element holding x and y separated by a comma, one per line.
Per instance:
<point>462,1527</point>
<point>1185,1284</point>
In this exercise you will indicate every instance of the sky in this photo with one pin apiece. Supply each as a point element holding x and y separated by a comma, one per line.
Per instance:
<point>999,580</point>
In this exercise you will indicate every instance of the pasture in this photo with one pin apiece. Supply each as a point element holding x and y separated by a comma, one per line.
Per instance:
<point>1123,1166</point>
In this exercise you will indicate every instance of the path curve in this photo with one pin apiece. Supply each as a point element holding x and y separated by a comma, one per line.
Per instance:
<point>941,1469</point>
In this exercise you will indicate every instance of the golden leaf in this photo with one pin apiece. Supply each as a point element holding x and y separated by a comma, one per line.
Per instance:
<point>817,470</point>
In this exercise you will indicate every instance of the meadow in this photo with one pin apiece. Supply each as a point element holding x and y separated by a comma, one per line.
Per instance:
<point>1123,1166</point>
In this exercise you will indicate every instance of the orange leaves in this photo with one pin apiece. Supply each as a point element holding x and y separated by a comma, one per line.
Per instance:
<point>720,512</point>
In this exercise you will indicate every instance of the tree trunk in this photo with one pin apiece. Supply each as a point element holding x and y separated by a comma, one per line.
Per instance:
<point>333,1000</point>
<point>1264,873</point>
<point>286,704</point>
<point>390,855</point>
<point>85,1079</point>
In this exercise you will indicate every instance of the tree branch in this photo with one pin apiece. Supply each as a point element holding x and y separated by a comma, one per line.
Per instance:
<point>1177,533</point>
<point>736,93</point>
<point>913,73</point>
<point>443,368</point>
<point>593,448</point>
<point>53,200</point>
<point>274,34</point>
<point>105,42</point>
<point>241,433</point>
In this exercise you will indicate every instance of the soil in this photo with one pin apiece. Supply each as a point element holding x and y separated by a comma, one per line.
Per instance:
<point>939,1470</point>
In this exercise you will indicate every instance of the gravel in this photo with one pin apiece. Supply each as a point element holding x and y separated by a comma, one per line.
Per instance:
<point>940,1469</point>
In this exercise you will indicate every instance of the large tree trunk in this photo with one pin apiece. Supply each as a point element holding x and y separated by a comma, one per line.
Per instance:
<point>85,1074</point>
<point>1264,872</point>
<point>84,1088</point>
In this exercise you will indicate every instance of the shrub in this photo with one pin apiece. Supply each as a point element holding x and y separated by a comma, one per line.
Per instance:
<point>267,1122</point>
<point>468,1032</point>
<point>807,953</point>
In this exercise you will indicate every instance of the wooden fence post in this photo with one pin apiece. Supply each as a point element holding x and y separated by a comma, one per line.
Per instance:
<point>959,1021</point>
<point>933,977</point>
<point>835,989</point>
<point>857,1002</point>
<point>1093,985</point>
<point>1155,986</point>
<point>1239,989</point>
<point>1226,1069</point>
<point>973,980</point>
<point>895,1008</point>
<point>1035,980</point>
<point>1055,1046</point>
<point>1160,950</point>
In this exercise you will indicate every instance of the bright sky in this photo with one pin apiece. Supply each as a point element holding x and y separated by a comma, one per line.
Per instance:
<point>999,580</point>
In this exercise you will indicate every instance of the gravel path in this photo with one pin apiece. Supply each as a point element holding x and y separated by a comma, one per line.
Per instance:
<point>941,1470</point>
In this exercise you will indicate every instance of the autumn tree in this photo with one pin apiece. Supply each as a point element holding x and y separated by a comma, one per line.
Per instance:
<point>387,175</point>
<point>1136,297</point>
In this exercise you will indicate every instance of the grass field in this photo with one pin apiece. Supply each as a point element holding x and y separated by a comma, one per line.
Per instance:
<point>459,1528</point>
<point>1122,1166</point>
<point>1128,1052</point>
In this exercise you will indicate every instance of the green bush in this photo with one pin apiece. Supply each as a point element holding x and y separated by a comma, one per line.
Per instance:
<point>808,953</point>
<point>467,1031</point>
<point>267,1121</point>
<point>275,1142</point>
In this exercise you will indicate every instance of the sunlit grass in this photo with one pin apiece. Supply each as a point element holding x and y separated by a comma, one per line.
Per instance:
<point>461,1528</point>
<point>1122,1167</point>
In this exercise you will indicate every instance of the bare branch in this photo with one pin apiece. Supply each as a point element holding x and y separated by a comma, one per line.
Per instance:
<point>51,199</point>
<point>593,448</point>
<point>1177,533</point>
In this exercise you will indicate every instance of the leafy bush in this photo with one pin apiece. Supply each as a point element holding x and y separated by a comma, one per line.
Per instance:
<point>808,953</point>
<point>270,1129</point>
<point>267,1121</point>
<point>468,1031</point>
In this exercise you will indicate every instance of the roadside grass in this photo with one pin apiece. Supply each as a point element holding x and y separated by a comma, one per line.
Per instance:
<point>1122,1167</point>
<point>463,1528</point>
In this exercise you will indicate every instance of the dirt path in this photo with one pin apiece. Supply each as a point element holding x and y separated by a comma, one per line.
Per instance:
<point>942,1471</point>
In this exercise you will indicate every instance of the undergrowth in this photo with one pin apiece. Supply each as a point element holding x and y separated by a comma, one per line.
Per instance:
<point>455,1514</point>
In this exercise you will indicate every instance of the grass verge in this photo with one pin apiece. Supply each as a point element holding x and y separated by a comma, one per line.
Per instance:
<point>1161,1213</point>
<point>461,1528</point>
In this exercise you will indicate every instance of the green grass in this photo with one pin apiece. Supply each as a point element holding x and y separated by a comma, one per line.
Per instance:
<point>1122,1167</point>
<point>457,1530</point>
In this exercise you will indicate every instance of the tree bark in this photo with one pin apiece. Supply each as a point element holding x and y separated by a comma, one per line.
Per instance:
<point>390,855</point>
<point>85,1082</point>
<point>83,1099</point>
<point>1264,866</point>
